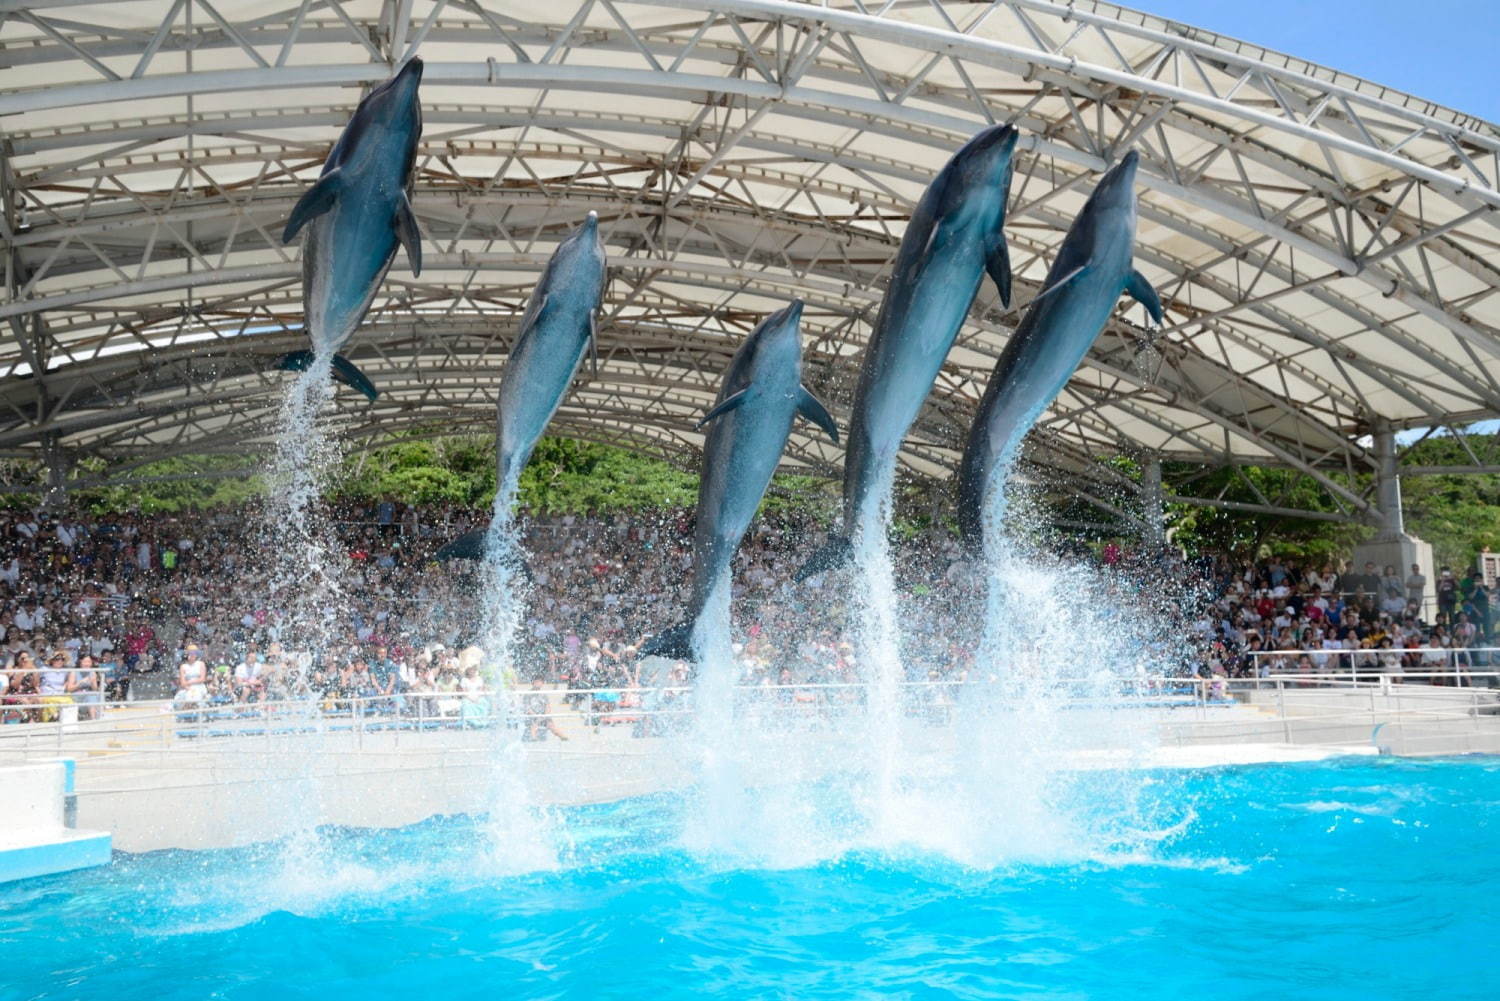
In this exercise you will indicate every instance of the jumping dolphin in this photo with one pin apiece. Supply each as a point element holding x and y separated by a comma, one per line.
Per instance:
<point>954,237</point>
<point>557,328</point>
<point>355,215</point>
<point>1092,268</point>
<point>761,396</point>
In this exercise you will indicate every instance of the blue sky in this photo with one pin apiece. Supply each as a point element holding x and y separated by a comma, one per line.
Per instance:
<point>1442,50</point>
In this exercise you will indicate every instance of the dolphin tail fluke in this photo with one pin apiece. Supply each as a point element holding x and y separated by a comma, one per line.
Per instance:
<point>345,372</point>
<point>469,546</point>
<point>675,643</point>
<point>314,202</point>
<point>1141,291</point>
<point>835,553</point>
<point>296,361</point>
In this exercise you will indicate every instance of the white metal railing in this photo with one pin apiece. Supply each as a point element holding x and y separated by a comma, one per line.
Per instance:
<point>1454,664</point>
<point>1320,700</point>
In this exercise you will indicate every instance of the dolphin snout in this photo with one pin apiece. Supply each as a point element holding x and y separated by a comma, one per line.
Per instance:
<point>997,140</point>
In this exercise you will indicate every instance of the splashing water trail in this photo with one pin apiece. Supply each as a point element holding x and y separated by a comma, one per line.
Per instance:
<point>309,580</point>
<point>879,637</point>
<point>309,577</point>
<point>520,833</point>
<point>718,825</point>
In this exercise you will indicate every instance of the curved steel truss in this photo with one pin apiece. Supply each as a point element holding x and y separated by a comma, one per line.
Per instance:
<point>1322,244</point>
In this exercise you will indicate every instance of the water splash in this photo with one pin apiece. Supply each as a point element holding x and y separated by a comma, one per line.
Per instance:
<point>878,636</point>
<point>520,833</point>
<point>309,575</point>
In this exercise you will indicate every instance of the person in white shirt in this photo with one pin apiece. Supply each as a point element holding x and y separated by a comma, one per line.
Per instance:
<point>192,678</point>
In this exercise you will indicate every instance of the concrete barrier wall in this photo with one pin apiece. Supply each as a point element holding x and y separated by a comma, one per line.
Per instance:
<point>35,839</point>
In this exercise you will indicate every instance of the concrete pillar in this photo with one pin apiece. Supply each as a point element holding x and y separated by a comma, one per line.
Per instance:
<point>1151,503</point>
<point>1387,483</point>
<point>56,461</point>
<point>1390,544</point>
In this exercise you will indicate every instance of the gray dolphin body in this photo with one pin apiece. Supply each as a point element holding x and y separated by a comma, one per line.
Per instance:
<point>953,238</point>
<point>751,419</point>
<point>556,330</point>
<point>1093,266</point>
<point>355,215</point>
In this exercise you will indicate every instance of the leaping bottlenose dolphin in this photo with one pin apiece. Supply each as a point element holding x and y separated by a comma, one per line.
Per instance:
<point>1093,266</point>
<point>750,421</point>
<point>954,237</point>
<point>557,328</point>
<point>355,215</point>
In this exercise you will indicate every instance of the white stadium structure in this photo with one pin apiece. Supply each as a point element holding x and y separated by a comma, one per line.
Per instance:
<point>1323,245</point>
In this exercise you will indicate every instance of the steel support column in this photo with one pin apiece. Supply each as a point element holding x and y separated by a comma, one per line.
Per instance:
<point>1387,483</point>
<point>1151,502</point>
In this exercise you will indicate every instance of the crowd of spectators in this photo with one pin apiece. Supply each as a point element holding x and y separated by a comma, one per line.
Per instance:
<point>94,606</point>
<point>198,606</point>
<point>1276,617</point>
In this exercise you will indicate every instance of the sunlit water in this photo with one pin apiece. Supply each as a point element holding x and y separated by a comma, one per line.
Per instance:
<point>1358,880</point>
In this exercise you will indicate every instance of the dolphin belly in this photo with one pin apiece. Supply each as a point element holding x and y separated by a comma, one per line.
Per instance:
<point>536,379</point>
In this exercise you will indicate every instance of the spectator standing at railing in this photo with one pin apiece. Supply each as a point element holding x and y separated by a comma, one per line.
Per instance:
<point>83,685</point>
<point>192,677</point>
<point>1447,594</point>
<point>1392,592</point>
<point>1416,587</point>
<point>386,675</point>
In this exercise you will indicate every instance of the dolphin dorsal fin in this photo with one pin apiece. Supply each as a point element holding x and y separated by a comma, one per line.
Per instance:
<point>409,235</point>
<point>723,407</point>
<point>314,202</point>
<point>998,266</point>
<point>1141,291</point>
<point>812,408</point>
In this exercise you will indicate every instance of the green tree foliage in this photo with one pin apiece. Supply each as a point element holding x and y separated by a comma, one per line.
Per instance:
<point>1244,533</point>
<point>1459,514</point>
<point>169,486</point>
<point>578,477</point>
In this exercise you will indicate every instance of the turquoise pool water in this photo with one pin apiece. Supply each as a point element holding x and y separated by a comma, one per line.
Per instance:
<point>1371,879</point>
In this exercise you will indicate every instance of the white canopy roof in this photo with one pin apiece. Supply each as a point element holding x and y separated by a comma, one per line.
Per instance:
<point>1321,243</point>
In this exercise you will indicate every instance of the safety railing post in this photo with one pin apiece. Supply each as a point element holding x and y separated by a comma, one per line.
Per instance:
<point>1286,728</point>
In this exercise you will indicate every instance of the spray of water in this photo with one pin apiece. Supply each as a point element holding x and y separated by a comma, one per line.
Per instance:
<point>519,832</point>
<point>878,633</point>
<point>309,576</point>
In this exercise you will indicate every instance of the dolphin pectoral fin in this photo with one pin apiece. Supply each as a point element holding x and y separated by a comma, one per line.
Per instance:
<point>932,235</point>
<point>835,553</point>
<point>344,371</point>
<point>998,266</point>
<point>594,342</point>
<point>1059,283</point>
<point>723,408</point>
<point>409,235</point>
<point>296,361</point>
<point>469,546</point>
<point>812,408</point>
<point>675,643</point>
<point>529,318</point>
<point>314,202</point>
<point>1141,291</point>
